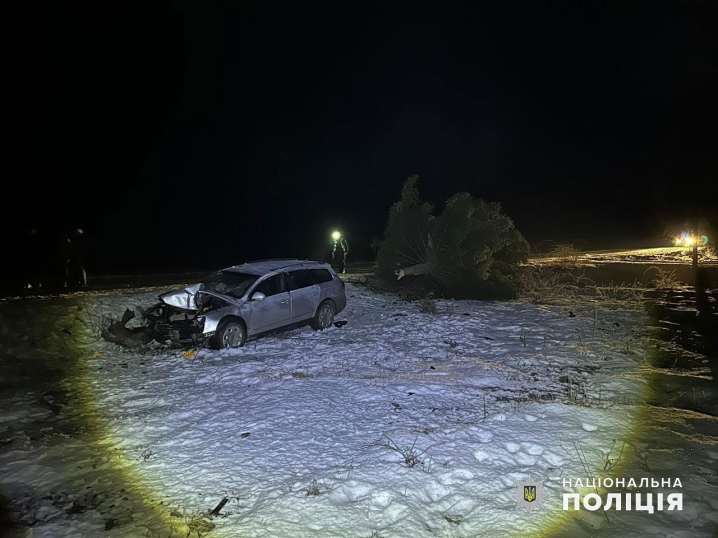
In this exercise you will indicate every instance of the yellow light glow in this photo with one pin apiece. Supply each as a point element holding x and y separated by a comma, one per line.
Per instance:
<point>336,235</point>
<point>685,240</point>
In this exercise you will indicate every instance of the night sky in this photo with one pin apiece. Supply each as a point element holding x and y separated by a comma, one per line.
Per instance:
<point>185,136</point>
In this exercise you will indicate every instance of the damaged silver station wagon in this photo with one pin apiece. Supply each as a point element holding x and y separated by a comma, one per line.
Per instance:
<point>244,301</point>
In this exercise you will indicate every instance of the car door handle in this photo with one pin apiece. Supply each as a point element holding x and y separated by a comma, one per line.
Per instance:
<point>284,302</point>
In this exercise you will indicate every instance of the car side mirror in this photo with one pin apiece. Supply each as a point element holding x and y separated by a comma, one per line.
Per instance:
<point>258,296</point>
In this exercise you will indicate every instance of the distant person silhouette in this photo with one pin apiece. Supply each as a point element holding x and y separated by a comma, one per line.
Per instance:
<point>342,244</point>
<point>79,250</point>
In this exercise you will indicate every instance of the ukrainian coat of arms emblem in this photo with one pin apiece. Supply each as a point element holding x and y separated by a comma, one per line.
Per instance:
<point>530,494</point>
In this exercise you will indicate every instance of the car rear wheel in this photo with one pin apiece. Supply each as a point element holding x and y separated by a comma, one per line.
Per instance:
<point>324,317</point>
<point>229,334</point>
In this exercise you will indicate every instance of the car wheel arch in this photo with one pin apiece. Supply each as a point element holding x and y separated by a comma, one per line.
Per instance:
<point>232,317</point>
<point>325,301</point>
<point>215,341</point>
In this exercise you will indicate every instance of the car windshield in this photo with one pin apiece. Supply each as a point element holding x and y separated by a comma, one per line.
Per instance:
<point>229,283</point>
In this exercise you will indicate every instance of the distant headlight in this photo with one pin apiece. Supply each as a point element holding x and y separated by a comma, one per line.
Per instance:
<point>687,240</point>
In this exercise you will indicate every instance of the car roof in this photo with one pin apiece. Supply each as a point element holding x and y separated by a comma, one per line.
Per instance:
<point>262,267</point>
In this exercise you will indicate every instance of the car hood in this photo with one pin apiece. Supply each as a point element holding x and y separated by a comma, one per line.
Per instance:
<point>185,298</point>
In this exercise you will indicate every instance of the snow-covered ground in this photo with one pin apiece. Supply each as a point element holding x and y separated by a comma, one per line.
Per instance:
<point>296,429</point>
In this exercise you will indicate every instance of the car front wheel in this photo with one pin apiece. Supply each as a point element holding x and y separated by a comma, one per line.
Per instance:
<point>229,334</point>
<point>324,317</point>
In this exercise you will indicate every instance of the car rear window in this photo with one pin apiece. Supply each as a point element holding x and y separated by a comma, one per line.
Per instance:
<point>300,279</point>
<point>321,276</point>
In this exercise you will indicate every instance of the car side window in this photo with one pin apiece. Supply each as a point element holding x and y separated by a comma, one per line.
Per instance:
<point>300,279</point>
<point>272,285</point>
<point>321,276</point>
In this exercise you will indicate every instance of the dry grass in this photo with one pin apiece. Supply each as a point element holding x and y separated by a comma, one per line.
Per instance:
<point>313,489</point>
<point>410,454</point>
<point>625,293</point>
<point>545,285</point>
<point>664,279</point>
<point>566,255</point>
<point>550,285</point>
<point>199,524</point>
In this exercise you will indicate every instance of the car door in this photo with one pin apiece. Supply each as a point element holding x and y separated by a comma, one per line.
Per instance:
<point>304,294</point>
<point>330,287</point>
<point>275,309</point>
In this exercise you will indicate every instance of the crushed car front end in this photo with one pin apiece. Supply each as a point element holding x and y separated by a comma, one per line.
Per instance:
<point>189,316</point>
<point>176,325</point>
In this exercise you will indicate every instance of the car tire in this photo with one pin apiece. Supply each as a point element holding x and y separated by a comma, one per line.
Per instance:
<point>230,333</point>
<point>324,316</point>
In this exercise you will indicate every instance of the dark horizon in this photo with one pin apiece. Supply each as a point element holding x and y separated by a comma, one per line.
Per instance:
<point>235,133</point>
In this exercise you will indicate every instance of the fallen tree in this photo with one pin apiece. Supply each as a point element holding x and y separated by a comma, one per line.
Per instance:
<point>472,249</point>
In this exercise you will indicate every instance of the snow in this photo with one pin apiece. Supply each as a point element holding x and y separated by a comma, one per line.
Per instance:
<point>302,431</point>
